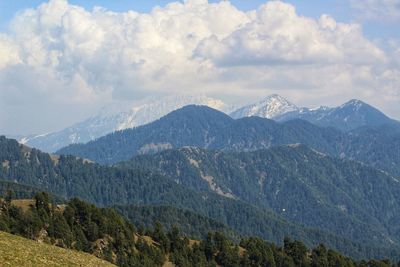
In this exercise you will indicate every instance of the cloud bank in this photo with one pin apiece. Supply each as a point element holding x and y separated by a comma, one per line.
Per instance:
<point>60,62</point>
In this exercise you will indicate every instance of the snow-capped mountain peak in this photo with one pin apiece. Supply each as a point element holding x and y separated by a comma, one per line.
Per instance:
<point>270,107</point>
<point>148,112</point>
<point>349,116</point>
<point>354,103</point>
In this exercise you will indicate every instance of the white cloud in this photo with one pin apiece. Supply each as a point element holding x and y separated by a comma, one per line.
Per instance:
<point>61,55</point>
<point>277,35</point>
<point>388,10</point>
<point>8,51</point>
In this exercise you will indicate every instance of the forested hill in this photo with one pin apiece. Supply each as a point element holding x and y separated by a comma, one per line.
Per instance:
<point>190,125</point>
<point>71,177</point>
<point>105,234</point>
<point>208,128</point>
<point>190,223</point>
<point>346,197</point>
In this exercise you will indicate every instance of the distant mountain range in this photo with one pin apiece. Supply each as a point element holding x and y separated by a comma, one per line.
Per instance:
<point>115,118</point>
<point>349,116</point>
<point>204,127</point>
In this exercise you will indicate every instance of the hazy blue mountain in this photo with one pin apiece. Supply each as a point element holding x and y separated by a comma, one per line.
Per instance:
<point>190,125</point>
<point>204,127</point>
<point>349,116</point>
<point>117,117</point>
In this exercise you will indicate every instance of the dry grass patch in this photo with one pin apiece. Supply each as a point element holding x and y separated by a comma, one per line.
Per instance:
<point>24,204</point>
<point>20,252</point>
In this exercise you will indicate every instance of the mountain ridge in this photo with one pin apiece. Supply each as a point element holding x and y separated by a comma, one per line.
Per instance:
<point>205,127</point>
<point>115,118</point>
<point>346,117</point>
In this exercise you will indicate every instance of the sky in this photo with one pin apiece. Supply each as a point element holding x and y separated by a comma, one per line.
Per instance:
<point>62,61</point>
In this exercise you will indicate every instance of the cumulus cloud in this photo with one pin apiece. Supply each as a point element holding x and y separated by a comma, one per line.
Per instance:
<point>62,56</point>
<point>277,35</point>
<point>388,10</point>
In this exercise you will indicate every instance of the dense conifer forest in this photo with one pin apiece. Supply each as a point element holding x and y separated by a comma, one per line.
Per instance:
<point>104,233</point>
<point>70,177</point>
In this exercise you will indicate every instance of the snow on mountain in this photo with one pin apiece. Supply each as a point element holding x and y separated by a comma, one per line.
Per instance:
<point>118,117</point>
<point>351,115</point>
<point>271,107</point>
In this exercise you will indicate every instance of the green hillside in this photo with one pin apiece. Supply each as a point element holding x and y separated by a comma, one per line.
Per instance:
<point>70,177</point>
<point>342,196</point>
<point>18,251</point>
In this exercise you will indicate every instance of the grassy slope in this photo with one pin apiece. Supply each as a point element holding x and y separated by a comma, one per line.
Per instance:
<point>18,251</point>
